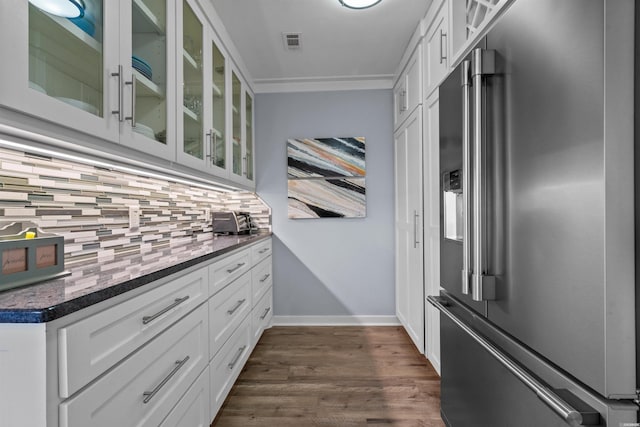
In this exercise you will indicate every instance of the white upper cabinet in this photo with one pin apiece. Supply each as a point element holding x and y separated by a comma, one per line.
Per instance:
<point>192,71</point>
<point>407,93</point>
<point>242,134</point>
<point>151,75</point>
<point>60,69</point>
<point>109,73</point>
<point>436,50</point>
<point>148,58</point>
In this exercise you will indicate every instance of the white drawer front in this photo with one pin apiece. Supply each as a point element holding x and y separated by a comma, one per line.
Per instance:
<point>223,272</point>
<point>261,250</point>
<point>226,310</point>
<point>91,346</point>
<point>261,315</point>
<point>228,363</point>
<point>160,373</point>
<point>193,408</point>
<point>261,280</point>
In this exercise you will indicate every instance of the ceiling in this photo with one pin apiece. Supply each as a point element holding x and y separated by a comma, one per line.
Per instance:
<point>337,43</point>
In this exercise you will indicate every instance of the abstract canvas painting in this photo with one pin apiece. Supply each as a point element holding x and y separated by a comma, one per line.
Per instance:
<point>326,177</point>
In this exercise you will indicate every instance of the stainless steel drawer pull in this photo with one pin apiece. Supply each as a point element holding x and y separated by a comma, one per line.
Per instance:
<point>263,250</point>
<point>569,414</point>
<point>266,311</point>
<point>148,395</point>
<point>231,270</point>
<point>237,306</point>
<point>176,302</point>
<point>266,276</point>
<point>236,357</point>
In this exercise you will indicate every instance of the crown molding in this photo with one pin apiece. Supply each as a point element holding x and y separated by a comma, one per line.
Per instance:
<point>323,84</point>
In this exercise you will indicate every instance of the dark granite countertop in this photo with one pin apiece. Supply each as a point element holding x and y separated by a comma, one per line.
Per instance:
<point>92,282</point>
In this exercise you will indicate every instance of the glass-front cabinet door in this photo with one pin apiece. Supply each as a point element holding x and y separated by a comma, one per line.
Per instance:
<point>191,136</point>
<point>236,127</point>
<point>217,125</point>
<point>248,120</point>
<point>148,52</point>
<point>57,64</point>
<point>242,127</point>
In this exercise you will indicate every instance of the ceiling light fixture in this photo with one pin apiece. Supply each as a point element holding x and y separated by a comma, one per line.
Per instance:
<point>63,8</point>
<point>359,4</point>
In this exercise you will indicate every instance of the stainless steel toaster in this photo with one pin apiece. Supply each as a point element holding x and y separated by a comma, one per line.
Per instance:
<point>233,223</point>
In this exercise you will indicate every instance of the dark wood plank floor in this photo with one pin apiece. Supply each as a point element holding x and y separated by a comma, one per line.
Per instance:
<point>334,376</point>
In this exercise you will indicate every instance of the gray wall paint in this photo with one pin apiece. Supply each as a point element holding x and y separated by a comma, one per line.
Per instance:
<point>329,266</point>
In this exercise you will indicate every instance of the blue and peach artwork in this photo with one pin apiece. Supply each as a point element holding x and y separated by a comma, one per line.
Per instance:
<point>326,157</point>
<point>326,177</point>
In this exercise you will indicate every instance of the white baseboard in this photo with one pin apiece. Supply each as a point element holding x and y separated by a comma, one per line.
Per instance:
<point>335,321</point>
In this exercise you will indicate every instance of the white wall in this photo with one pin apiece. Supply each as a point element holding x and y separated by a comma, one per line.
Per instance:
<point>329,266</point>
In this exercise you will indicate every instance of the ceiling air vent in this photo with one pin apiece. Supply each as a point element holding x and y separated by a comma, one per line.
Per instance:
<point>292,40</point>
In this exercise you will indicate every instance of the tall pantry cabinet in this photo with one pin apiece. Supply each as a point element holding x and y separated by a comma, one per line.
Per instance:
<point>409,213</point>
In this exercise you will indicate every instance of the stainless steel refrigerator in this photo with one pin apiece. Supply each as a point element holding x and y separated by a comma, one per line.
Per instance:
<point>538,307</point>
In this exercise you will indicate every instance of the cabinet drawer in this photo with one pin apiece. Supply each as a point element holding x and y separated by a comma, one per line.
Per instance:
<point>228,363</point>
<point>260,251</point>
<point>142,390</point>
<point>261,315</point>
<point>261,279</point>
<point>193,409</point>
<point>91,346</point>
<point>226,310</point>
<point>223,272</point>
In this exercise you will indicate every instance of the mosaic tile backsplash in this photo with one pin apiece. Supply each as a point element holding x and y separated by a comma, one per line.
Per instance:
<point>90,205</point>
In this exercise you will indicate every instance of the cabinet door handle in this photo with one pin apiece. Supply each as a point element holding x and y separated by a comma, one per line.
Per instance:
<point>443,49</point>
<point>403,100</point>
<point>245,160</point>
<point>416,215</point>
<point>236,307</point>
<point>132,117</point>
<point>231,270</point>
<point>236,357</point>
<point>176,302</point>
<point>266,311</point>
<point>263,250</point>
<point>148,395</point>
<point>120,94</point>
<point>209,136</point>
<point>266,276</point>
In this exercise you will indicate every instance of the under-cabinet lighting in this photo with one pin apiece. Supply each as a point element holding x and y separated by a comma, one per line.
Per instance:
<point>359,4</point>
<point>63,8</point>
<point>174,177</point>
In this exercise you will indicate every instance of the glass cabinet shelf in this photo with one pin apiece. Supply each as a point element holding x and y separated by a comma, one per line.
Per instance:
<point>62,30</point>
<point>145,21</point>
<point>190,114</point>
<point>148,88</point>
<point>66,61</point>
<point>216,90</point>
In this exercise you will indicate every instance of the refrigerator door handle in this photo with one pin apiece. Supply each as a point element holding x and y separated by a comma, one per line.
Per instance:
<point>561,407</point>
<point>466,175</point>
<point>482,286</point>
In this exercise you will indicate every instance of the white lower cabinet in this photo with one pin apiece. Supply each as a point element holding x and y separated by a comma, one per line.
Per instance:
<point>228,363</point>
<point>142,390</point>
<point>193,409</point>
<point>262,279</point>
<point>261,315</point>
<point>226,310</point>
<point>165,356</point>
<point>91,346</point>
